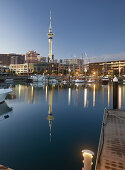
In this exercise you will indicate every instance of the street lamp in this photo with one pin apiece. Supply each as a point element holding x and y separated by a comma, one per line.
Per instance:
<point>85,72</point>
<point>87,155</point>
<point>69,74</point>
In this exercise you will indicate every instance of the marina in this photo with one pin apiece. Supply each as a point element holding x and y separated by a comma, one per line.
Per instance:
<point>62,85</point>
<point>54,116</point>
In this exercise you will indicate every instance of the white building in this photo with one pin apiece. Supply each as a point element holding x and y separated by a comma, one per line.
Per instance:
<point>19,68</point>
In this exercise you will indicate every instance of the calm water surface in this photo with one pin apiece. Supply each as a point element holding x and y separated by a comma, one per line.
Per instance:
<point>47,127</point>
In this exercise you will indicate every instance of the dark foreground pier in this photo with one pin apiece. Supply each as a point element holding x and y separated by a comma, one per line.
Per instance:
<point>111,149</point>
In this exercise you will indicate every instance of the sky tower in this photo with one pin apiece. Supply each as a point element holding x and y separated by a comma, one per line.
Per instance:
<point>50,37</point>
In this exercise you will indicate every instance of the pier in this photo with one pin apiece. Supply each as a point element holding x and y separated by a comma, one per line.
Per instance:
<point>111,149</point>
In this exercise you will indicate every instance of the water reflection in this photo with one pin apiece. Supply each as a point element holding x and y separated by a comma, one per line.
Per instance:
<point>37,84</point>
<point>108,95</point>
<point>94,95</point>
<point>46,93</point>
<point>85,97</point>
<point>119,98</point>
<point>81,116</point>
<point>50,115</point>
<point>4,111</point>
<point>69,96</point>
<point>34,95</point>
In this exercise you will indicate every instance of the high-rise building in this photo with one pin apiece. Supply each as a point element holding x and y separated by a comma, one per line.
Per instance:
<point>7,59</point>
<point>32,57</point>
<point>50,37</point>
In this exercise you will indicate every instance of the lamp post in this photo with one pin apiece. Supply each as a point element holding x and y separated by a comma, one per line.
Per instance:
<point>115,93</point>
<point>87,155</point>
<point>85,72</point>
<point>69,74</point>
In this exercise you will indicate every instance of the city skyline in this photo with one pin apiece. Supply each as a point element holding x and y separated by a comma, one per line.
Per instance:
<point>84,26</point>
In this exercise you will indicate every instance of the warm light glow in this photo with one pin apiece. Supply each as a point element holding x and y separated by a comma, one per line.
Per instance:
<point>85,97</point>
<point>50,100</point>
<point>19,90</point>
<point>87,154</point>
<point>69,96</point>
<point>94,95</point>
<point>119,69</point>
<point>119,96</point>
<point>46,93</point>
<point>85,70</point>
<point>108,95</point>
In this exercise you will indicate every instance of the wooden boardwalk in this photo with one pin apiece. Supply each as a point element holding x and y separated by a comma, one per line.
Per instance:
<point>111,149</point>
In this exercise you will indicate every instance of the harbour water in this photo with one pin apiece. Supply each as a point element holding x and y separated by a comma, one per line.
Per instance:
<point>46,127</point>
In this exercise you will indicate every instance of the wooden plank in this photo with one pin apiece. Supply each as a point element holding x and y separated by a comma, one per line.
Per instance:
<point>111,151</point>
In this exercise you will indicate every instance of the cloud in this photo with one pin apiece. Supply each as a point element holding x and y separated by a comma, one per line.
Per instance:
<point>108,57</point>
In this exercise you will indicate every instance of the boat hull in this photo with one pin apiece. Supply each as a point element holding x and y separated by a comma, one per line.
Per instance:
<point>3,94</point>
<point>39,78</point>
<point>79,81</point>
<point>2,97</point>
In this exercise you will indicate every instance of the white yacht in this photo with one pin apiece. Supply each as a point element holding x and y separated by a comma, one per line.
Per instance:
<point>37,84</point>
<point>53,81</point>
<point>91,81</point>
<point>105,80</point>
<point>3,94</point>
<point>64,82</point>
<point>38,78</point>
<point>9,80</point>
<point>79,81</point>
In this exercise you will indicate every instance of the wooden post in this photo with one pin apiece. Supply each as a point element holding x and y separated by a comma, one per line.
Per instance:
<point>115,93</point>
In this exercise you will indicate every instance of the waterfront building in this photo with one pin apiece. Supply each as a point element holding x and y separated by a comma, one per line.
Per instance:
<point>50,37</point>
<point>4,70</point>
<point>29,68</point>
<point>32,57</point>
<point>107,68</point>
<point>19,68</point>
<point>74,61</point>
<point>59,61</point>
<point>42,59</point>
<point>7,59</point>
<point>38,67</point>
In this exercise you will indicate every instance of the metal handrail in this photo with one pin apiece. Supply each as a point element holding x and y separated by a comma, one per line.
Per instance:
<point>101,140</point>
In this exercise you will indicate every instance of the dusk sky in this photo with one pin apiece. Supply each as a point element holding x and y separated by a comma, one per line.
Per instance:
<point>94,26</point>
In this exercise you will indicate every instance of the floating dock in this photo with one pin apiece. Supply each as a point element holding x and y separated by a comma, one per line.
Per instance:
<point>111,149</point>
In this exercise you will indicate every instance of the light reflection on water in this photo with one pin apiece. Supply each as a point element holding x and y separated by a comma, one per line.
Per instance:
<point>47,120</point>
<point>94,95</point>
<point>119,97</point>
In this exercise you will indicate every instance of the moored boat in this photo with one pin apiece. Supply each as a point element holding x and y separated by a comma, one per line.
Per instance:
<point>53,81</point>
<point>79,81</point>
<point>64,82</point>
<point>3,94</point>
<point>105,80</point>
<point>38,78</point>
<point>91,81</point>
<point>9,80</point>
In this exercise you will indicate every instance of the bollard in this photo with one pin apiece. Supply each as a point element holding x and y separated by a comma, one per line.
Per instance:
<point>88,155</point>
<point>115,93</point>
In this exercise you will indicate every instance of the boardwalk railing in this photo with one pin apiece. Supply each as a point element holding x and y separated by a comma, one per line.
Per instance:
<point>101,140</point>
